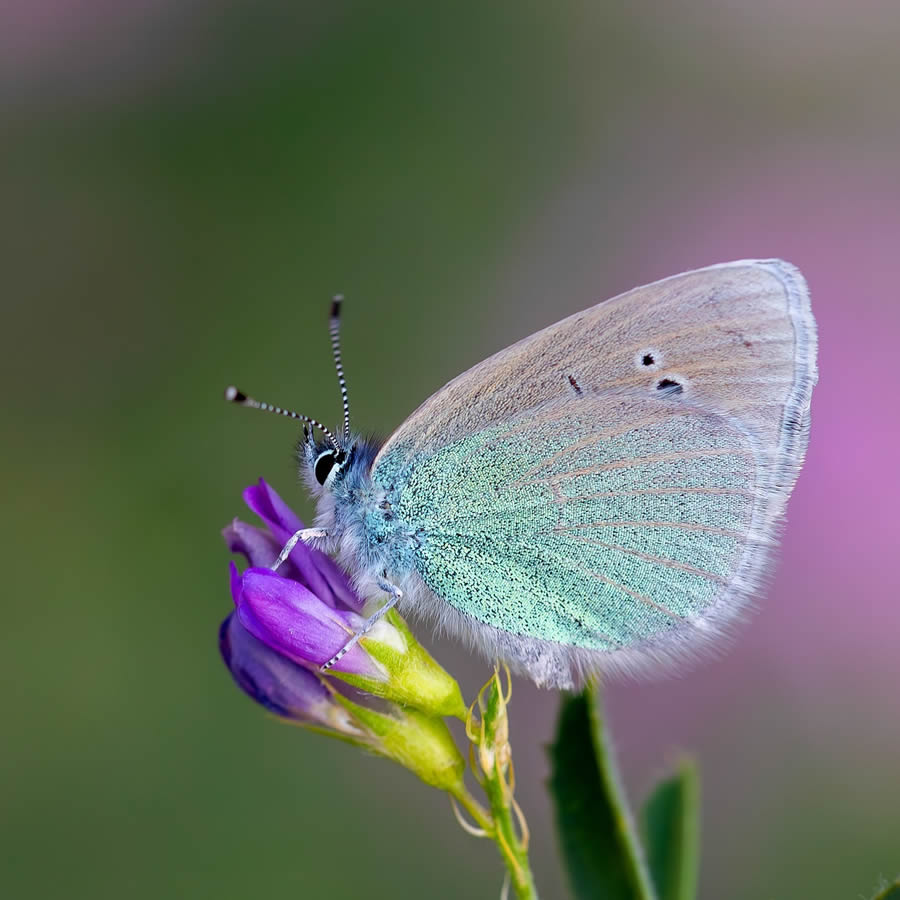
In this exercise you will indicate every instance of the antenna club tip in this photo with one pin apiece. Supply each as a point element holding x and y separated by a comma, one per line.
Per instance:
<point>233,395</point>
<point>336,302</point>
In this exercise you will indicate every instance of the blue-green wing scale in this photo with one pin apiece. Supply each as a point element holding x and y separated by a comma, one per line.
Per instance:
<point>567,528</point>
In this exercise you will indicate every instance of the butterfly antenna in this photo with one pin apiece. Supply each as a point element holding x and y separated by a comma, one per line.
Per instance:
<point>334,327</point>
<point>233,395</point>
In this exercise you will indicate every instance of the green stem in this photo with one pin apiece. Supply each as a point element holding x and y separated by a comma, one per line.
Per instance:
<point>499,826</point>
<point>474,809</point>
<point>513,846</point>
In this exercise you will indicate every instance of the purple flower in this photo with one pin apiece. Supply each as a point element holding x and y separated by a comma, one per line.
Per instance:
<point>281,686</point>
<point>310,567</point>
<point>288,617</point>
<point>307,611</point>
<point>421,743</point>
<point>288,623</point>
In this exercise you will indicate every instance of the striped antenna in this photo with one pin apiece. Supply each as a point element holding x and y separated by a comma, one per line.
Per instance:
<point>334,326</point>
<point>233,395</point>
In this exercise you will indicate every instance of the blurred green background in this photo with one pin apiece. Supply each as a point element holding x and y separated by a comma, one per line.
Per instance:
<point>183,188</point>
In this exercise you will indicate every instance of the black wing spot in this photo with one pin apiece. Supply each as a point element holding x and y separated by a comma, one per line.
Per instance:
<point>575,385</point>
<point>648,358</point>
<point>669,386</point>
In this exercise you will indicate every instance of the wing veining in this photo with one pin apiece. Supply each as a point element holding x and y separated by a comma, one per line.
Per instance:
<point>596,570</point>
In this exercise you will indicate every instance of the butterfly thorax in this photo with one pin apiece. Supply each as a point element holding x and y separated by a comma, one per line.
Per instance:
<point>364,532</point>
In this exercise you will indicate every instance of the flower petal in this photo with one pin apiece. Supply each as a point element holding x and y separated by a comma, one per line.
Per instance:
<point>292,620</point>
<point>342,592</point>
<point>235,580</point>
<point>281,686</point>
<point>261,549</point>
<point>315,569</point>
<point>266,503</point>
<point>258,546</point>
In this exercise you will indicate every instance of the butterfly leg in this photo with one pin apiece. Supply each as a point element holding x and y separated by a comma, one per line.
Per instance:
<point>396,596</point>
<point>304,534</point>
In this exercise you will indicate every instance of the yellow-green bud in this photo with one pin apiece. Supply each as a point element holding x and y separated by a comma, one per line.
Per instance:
<point>421,743</point>
<point>412,677</point>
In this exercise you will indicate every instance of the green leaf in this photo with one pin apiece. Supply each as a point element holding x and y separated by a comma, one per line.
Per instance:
<point>672,833</point>
<point>889,892</point>
<point>599,842</point>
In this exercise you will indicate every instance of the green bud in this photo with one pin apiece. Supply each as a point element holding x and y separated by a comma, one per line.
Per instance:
<point>412,677</point>
<point>492,737</point>
<point>420,743</point>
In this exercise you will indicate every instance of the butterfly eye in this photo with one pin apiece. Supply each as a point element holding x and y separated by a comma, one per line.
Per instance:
<point>325,464</point>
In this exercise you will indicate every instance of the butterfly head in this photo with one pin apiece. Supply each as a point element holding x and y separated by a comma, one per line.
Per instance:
<point>324,460</point>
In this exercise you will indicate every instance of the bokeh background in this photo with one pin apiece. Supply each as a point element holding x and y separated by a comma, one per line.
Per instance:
<point>185,185</point>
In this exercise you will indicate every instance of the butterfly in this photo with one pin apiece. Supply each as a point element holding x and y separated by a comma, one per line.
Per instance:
<point>601,497</point>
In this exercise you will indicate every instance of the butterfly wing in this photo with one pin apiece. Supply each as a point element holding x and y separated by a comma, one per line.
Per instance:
<point>602,494</point>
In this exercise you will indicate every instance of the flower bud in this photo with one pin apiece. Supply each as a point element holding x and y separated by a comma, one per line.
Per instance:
<point>284,688</point>
<point>420,743</point>
<point>293,621</point>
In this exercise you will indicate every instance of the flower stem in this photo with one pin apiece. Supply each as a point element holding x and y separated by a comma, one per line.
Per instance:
<point>499,826</point>
<point>510,839</point>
